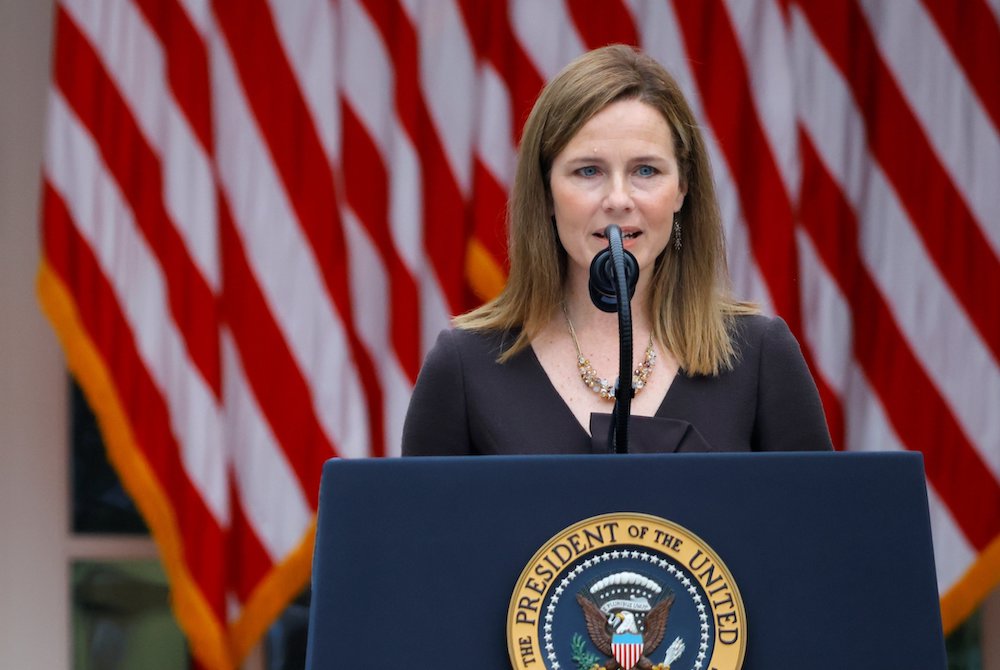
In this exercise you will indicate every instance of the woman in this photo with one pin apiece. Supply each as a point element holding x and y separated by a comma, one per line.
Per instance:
<point>612,140</point>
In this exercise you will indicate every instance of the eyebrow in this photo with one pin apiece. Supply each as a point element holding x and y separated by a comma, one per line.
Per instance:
<point>591,159</point>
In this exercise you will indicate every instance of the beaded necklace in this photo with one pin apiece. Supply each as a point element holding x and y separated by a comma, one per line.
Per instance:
<point>602,387</point>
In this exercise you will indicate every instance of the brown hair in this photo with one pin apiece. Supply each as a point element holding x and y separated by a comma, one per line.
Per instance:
<point>691,309</point>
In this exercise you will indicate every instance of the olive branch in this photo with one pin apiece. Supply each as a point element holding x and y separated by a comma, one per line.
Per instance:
<point>583,659</point>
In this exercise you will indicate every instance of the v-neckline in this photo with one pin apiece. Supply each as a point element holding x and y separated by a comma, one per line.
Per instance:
<point>540,370</point>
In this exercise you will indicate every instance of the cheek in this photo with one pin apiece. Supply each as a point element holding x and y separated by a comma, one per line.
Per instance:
<point>558,198</point>
<point>573,199</point>
<point>563,234</point>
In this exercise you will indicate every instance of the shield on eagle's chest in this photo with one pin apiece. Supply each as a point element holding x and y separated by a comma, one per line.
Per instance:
<point>627,649</point>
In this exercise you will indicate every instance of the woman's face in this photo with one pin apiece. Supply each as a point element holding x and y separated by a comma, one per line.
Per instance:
<point>619,168</point>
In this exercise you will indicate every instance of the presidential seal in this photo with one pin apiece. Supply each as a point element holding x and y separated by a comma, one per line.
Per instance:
<point>624,591</point>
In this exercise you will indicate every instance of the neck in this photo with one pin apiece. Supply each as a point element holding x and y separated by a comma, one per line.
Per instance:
<point>600,347</point>
<point>586,316</point>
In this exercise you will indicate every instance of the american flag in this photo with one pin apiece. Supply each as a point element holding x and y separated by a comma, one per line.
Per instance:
<point>259,213</point>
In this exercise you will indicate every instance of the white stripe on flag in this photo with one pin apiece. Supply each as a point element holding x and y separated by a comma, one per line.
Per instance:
<point>371,300</point>
<point>495,147</point>
<point>765,45</point>
<point>826,316</point>
<point>661,38</point>
<point>107,224</point>
<point>269,491</point>
<point>134,58</point>
<point>938,92</point>
<point>921,303</point>
<point>545,32</point>
<point>307,31</point>
<point>285,266</point>
<point>447,65</point>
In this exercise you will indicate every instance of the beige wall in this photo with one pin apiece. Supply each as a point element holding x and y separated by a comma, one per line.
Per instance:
<point>34,618</point>
<point>34,609</point>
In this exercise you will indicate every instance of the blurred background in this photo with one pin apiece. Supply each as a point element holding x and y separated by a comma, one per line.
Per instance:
<point>220,220</point>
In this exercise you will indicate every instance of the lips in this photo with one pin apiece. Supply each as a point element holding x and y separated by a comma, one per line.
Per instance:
<point>627,234</point>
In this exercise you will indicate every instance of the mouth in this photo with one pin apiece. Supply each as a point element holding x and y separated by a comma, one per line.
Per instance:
<point>629,234</point>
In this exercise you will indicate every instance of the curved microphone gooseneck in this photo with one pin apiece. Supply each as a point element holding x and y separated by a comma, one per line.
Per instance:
<point>614,274</point>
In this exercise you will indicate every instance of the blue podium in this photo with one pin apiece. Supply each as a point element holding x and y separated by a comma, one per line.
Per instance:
<point>416,559</point>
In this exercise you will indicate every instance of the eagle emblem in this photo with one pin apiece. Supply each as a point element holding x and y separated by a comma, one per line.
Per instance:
<point>611,591</point>
<point>626,615</point>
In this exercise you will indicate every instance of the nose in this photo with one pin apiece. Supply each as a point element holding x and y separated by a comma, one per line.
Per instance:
<point>618,197</point>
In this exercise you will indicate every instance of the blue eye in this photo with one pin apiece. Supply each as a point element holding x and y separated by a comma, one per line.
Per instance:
<point>646,171</point>
<point>587,171</point>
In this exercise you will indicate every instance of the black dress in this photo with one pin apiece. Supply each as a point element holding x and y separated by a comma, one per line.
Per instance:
<point>466,403</point>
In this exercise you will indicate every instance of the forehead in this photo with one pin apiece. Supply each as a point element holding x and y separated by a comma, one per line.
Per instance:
<point>623,124</point>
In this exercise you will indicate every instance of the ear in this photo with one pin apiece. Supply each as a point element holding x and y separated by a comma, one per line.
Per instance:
<point>682,190</point>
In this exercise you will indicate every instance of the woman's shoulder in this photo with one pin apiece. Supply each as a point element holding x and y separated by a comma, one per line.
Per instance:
<point>757,336</point>
<point>458,353</point>
<point>475,342</point>
<point>753,329</point>
<point>462,353</point>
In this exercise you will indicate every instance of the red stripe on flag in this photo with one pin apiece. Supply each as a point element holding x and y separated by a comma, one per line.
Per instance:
<point>305,172</point>
<point>603,23</point>
<point>246,558</point>
<point>366,186</point>
<point>972,32</point>
<point>488,26</point>
<point>443,205</point>
<point>918,414</point>
<point>283,394</point>
<point>489,203</point>
<point>96,101</point>
<point>149,418</point>
<point>832,407</point>
<point>959,248</point>
<point>187,64</point>
<point>720,73</point>
<point>722,79</point>
<point>489,29</point>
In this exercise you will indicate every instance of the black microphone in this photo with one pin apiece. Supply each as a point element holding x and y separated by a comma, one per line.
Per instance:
<point>602,273</point>
<point>614,272</point>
